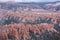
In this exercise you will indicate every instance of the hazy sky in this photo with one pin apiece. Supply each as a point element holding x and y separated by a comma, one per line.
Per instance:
<point>29,0</point>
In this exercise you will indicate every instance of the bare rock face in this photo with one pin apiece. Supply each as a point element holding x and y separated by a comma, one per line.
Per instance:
<point>42,31</point>
<point>27,26</point>
<point>30,25</point>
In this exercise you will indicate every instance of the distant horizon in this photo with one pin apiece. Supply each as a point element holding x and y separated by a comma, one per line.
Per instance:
<point>29,0</point>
